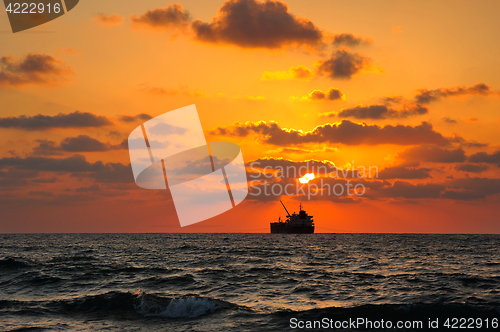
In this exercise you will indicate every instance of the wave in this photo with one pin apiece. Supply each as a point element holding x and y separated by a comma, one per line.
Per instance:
<point>73,258</point>
<point>122,305</point>
<point>422,311</point>
<point>13,263</point>
<point>177,280</point>
<point>140,306</point>
<point>186,307</point>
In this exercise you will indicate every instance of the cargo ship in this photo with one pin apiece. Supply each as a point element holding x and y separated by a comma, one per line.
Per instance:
<point>301,223</point>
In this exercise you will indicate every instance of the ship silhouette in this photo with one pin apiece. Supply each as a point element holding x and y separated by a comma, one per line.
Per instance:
<point>301,223</point>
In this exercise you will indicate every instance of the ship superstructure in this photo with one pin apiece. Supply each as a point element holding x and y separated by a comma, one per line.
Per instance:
<point>300,223</point>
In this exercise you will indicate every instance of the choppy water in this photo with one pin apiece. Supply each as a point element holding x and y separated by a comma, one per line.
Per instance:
<point>241,282</point>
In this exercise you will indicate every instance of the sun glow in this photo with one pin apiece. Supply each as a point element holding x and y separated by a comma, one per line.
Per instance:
<point>306,178</point>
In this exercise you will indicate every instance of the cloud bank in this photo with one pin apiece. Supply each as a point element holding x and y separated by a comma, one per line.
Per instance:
<point>33,69</point>
<point>345,132</point>
<point>75,119</point>
<point>250,23</point>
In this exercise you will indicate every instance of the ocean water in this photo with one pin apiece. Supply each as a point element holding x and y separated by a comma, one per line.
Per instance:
<point>244,282</point>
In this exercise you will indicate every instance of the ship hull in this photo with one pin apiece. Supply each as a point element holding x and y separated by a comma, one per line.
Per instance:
<point>283,228</point>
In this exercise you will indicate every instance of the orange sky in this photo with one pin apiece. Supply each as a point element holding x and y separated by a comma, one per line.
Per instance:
<point>404,86</point>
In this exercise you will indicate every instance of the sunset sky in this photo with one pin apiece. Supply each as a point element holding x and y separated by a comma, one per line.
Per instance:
<point>412,88</point>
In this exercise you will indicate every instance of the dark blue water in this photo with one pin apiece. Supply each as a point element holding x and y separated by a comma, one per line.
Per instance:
<point>242,282</point>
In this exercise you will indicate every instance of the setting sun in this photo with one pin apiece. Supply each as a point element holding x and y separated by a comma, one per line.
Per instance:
<point>306,178</point>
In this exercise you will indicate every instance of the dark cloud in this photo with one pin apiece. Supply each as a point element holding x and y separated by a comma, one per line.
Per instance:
<point>343,64</point>
<point>449,120</point>
<point>471,188</point>
<point>77,165</point>
<point>8,184</point>
<point>75,119</point>
<point>171,17</point>
<point>400,172</point>
<point>113,173</point>
<point>83,143</point>
<point>392,100</point>
<point>403,189</point>
<point>348,39</point>
<point>137,117</point>
<point>463,142</point>
<point>270,186</point>
<point>18,174</point>
<point>80,143</point>
<point>108,20</point>
<point>331,94</point>
<point>472,168</point>
<point>250,23</point>
<point>15,178</point>
<point>46,148</point>
<point>346,132</point>
<point>432,153</point>
<point>34,68</point>
<point>115,134</point>
<point>383,111</point>
<point>271,178</point>
<point>462,195</point>
<point>484,157</point>
<point>425,96</point>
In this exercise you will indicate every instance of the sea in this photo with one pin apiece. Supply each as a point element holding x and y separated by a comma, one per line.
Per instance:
<point>249,282</point>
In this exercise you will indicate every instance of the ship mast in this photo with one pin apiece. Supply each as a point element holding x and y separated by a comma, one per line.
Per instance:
<point>285,208</point>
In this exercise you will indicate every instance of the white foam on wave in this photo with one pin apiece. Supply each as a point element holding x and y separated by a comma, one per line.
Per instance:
<point>188,307</point>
